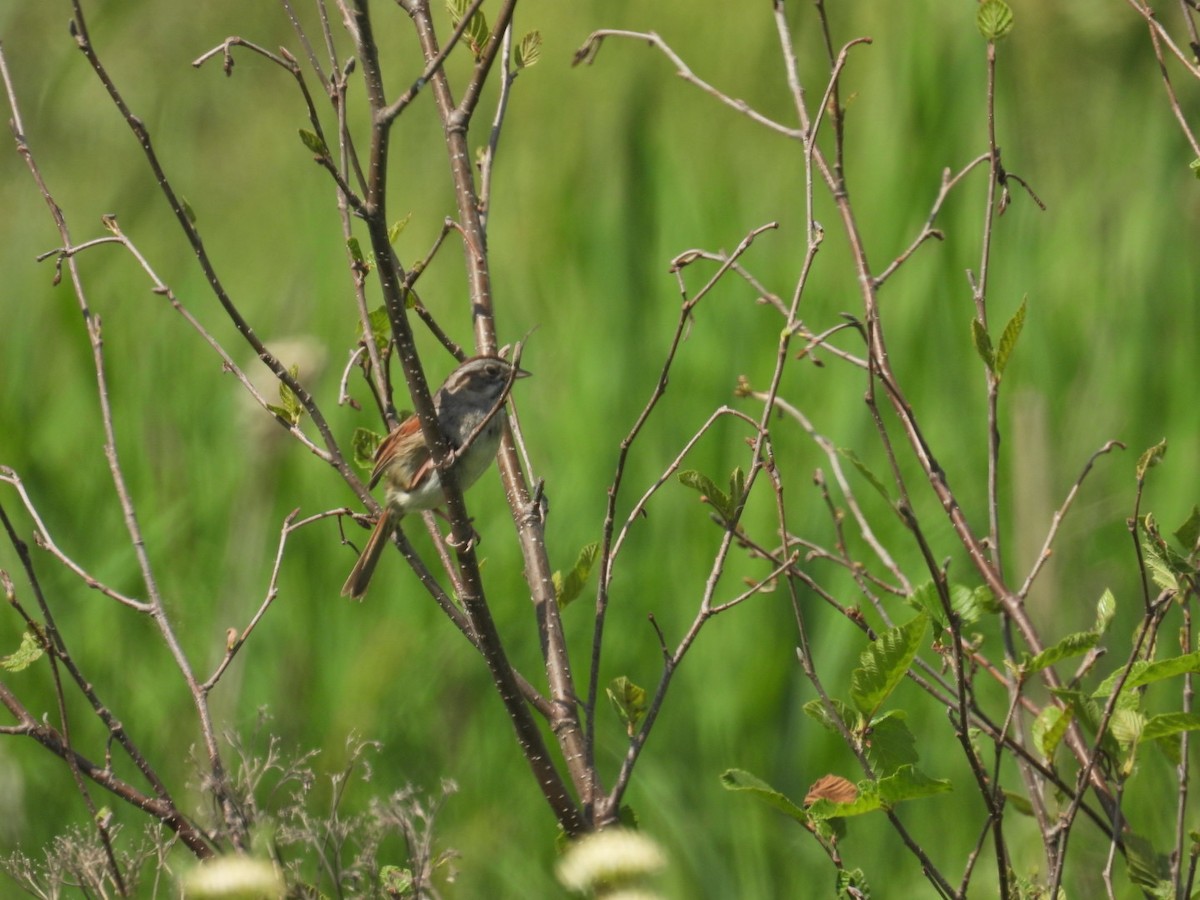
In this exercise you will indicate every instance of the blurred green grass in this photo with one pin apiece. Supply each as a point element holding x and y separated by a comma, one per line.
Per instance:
<point>605,173</point>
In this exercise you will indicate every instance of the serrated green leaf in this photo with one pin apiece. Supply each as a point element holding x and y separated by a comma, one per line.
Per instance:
<point>1106,608</point>
<point>972,604</point>
<point>1167,724</point>
<point>815,709</point>
<point>290,407</point>
<point>1188,534</point>
<point>737,488</point>
<point>865,472</point>
<point>529,50</point>
<point>890,743</point>
<point>1146,866</point>
<point>629,701</point>
<point>994,19</point>
<point>884,663</point>
<point>396,881</point>
<point>1151,458</point>
<point>1142,672</point>
<point>477,33</point>
<point>24,656</point>
<point>569,587</point>
<point>1072,645</point>
<point>364,444</point>
<point>1049,727</point>
<point>983,345</point>
<point>290,399</point>
<point>1126,726</point>
<point>1008,340</point>
<point>867,801</point>
<point>909,783</point>
<point>741,780</point>
<point>314,143</point>
<point>1164,568</point>
<point>398,228</point>
<point>852,883</point>
<point>381,327</point>
<point>969,604</point>
<point>1086,711</point>
<point>708,490</point>
<point>906,783</point>
<point>925,598</point>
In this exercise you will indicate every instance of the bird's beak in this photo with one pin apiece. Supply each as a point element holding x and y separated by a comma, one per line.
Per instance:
<point>521,373</point>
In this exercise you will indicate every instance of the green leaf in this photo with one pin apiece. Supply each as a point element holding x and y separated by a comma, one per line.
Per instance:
<point>890,743</point>
<point>983,345</point>
<point>364,443</point>
<point>396,881</point>
<point>909,783</point>
<point>1086,711</point>
<point>1146,866</point>
<point>629,701</point>
<point>1167,724</point>
<point>290,409</point>
<point>1194,165</point>
<point>187,210</point>
<point>925,598</point>
<point>865,472</point>
<point>529,50</point>
<point>1008,340</point>
<point>356,254</point>
<point>314,143</point>
<point>1164,568</point>
<point>1019,802</point>
<point>1189,532</point>
<point>398,228</point>
<point>815,709</point>
<point>628,816</point>
<point>381,327</point>
<point>1049,727</point>
<point>568,588</point>
<point>741,780</point>
<point>23,657</point>
<point>1142,672</point>
<point>969,604</point>
<point>737,490</point>
<point>1167,567</point>
<point>884,663</point>
<point>994,19</point>
<point>972,604</point>
<point>1106,608</point>
<point>867,801</point>
<point>477,31</point>
<point>1151,458</point>
<point>709,492</point>
<point>1069,646</point>
<point>1126,726</point>
<point>852,883</point>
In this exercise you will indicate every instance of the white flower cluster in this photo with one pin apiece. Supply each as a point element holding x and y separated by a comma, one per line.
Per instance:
<point>611,864</point>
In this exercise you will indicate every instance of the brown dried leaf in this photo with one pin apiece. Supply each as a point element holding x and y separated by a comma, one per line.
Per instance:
<point>833,788</point>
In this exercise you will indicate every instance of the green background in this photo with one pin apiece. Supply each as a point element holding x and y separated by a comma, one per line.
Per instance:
<point>605,173</point>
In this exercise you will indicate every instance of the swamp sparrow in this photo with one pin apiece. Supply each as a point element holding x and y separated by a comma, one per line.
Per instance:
<point>462,403</point>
